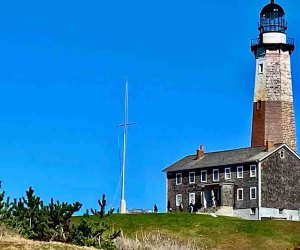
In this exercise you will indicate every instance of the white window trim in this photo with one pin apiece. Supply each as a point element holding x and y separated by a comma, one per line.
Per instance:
<point>227,178</point>
<point>203,171</point>
<point>192,182</point>
<point>177,196</point>
<point>251,175</point>
<point>214,175</point>
<point>194,198</point>
<point>237,194</point>
<point>282,154</point>
<point>179,174</point>
<point>260,68</point>
<point>251,193</point>
<point>237,172</point>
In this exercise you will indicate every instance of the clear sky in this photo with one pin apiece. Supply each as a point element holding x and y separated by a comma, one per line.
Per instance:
<point>62,64</point>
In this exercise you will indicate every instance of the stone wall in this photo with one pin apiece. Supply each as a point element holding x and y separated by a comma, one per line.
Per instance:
<point>281,181</point>
<point>273,89</point>
<point>288,126</point>
<point>227,195</point>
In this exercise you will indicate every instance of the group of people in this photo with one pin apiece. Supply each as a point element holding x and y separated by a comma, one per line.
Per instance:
<point>192,207</point>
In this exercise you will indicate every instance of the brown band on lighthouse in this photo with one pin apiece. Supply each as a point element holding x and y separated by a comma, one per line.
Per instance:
<point>273,121</point>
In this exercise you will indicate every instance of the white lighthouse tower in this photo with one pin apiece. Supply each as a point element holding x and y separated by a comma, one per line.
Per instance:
<point>273,110</point>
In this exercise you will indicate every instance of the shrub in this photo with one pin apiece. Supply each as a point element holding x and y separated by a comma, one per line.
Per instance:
<point>34,220</point>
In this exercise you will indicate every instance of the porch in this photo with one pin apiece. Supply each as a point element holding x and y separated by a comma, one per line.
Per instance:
<point>214,196</point>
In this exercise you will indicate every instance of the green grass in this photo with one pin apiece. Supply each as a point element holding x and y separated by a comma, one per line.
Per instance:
<point>220,233</point>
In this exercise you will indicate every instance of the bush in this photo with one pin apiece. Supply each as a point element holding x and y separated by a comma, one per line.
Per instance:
<point>34,220</point>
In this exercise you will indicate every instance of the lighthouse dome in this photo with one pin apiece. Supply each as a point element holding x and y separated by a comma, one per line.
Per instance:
<point>272,8</point>
<point>272,19</point>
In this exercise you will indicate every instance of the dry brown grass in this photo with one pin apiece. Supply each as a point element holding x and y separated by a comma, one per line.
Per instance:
<point>18,243</point>
<point>154,241</point>
<point>10,240</point>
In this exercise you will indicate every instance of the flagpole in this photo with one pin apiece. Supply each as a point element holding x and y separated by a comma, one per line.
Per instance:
<point>125,125</point>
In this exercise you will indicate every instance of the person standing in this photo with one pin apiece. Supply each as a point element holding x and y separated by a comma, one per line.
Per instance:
<point>191,208</point>
<point>181,207</point>
<point>155,208</point>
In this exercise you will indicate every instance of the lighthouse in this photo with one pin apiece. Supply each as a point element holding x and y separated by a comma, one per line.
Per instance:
<point>273,109</point>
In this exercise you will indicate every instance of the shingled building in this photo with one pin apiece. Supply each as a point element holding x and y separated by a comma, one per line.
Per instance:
<point>262,181</point>
<point>252,183</point>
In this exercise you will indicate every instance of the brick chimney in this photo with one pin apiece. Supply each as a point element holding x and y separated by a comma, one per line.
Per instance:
<point>269,145</point>
<point>200,152</point>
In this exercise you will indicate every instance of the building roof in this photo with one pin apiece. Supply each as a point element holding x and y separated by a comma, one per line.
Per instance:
<point>221,158</point>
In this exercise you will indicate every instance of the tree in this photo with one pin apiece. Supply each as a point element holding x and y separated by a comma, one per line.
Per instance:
<point>91,232</point>
<point>34,220</point>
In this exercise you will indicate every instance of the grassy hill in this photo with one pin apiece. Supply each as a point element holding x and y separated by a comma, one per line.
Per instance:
<point>207,232</point>
<point>183,231</point>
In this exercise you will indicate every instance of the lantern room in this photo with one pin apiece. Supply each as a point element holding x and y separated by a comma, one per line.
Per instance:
<point>272,19</point>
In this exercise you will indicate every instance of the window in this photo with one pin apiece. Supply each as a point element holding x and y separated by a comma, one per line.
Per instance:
<point>240,172</point>
<point>253,193</point>
<point>178,179</point>
<point>252,210</point>
<point>261,68</point>
<point>252,170</point>
<point>216,175</point>
<point>282,154</point>
<point>178,199</point>
<point>203,176</point>
<point>192,177</point>
<point>240,194</point>
<point>227,173</point>
<point>280,210</point>
<point>192,198</point>
<point>258,105</point>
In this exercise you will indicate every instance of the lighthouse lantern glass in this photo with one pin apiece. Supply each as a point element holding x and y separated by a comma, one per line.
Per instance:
<point>272,19</point>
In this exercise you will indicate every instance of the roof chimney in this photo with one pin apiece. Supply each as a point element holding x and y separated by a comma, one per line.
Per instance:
<point>269,145</point>
<point>200,152</point>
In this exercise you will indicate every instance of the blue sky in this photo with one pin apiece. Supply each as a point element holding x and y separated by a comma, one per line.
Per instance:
<point>191,80</point>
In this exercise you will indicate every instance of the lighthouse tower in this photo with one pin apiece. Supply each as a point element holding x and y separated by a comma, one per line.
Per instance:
<point>273,110</point>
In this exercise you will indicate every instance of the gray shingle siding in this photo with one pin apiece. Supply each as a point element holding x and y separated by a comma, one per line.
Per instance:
<point>185,188</point>
<point>281,181</point>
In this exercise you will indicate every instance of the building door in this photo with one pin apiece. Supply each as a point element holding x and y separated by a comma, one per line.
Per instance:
<point>208,198</point>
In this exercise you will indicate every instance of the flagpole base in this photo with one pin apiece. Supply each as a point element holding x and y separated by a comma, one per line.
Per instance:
<point>123,207</point>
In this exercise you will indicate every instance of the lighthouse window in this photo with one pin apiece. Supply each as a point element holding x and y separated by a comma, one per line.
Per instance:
<point>258,105</point>
<point>261,68</point>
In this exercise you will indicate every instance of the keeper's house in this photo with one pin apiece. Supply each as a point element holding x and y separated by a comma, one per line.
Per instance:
<point>252,183</point>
